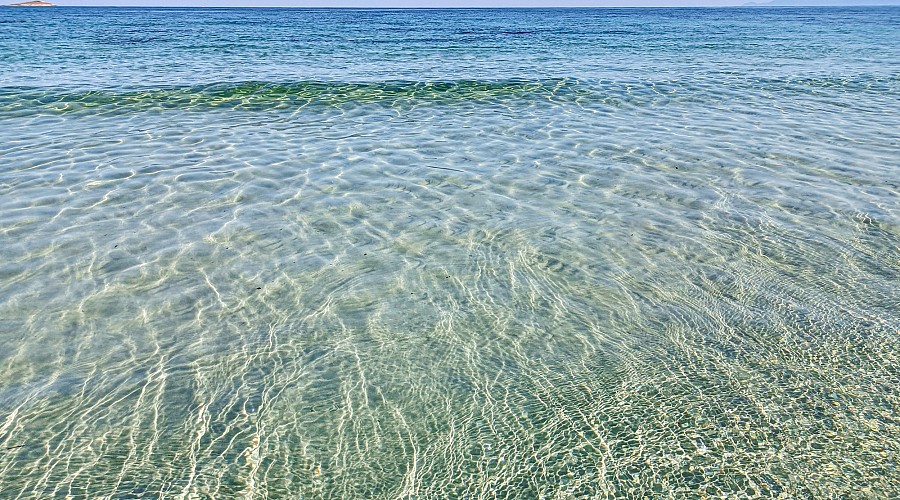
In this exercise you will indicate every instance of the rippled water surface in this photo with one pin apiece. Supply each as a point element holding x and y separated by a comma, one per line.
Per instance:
<point>381,254</point>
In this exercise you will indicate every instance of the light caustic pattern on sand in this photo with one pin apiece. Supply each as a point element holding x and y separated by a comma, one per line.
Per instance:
<point>513,289</point>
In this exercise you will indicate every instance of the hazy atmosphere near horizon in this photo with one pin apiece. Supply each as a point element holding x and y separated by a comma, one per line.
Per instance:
<point>462,3</point>
<point>449,253</point>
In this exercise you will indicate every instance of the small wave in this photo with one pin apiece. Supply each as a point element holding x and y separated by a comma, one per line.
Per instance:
<point>261,95</point>
<point>255,95</point>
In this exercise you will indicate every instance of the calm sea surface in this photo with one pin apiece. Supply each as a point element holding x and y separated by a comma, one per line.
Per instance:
<point>478,253</point>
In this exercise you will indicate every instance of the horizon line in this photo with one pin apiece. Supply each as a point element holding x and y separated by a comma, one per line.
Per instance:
<point>751,5</point>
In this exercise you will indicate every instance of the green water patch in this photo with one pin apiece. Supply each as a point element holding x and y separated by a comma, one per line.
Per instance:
<point>269,95</point>
<point>603,95</point>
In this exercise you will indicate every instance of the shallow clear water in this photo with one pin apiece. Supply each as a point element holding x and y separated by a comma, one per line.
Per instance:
<point>270,253</point>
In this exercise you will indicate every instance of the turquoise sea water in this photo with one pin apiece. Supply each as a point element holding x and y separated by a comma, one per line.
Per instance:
<point>449,254</point>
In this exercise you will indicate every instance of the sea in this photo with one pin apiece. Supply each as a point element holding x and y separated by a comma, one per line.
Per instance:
<point>521,253</point>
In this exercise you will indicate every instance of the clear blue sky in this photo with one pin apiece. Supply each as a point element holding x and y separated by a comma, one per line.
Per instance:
<point>439,3</point>
<point>398,3</point>
<point>443,3</point>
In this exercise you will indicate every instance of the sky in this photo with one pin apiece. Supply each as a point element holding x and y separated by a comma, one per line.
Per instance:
<point>398,3</point>
<point>441,3</point>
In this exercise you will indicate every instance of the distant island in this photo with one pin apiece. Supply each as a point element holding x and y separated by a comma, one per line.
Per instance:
<point>32,4</point>
<point>823,3</point>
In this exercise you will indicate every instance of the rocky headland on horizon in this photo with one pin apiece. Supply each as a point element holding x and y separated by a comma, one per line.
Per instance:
<point>32,4</point>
